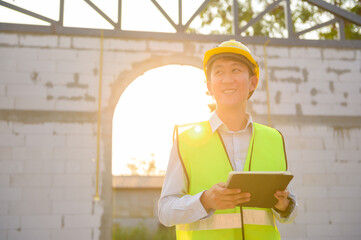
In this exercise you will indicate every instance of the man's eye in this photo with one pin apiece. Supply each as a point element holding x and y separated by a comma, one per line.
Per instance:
<point>218,72</point>
<point>236,70</point>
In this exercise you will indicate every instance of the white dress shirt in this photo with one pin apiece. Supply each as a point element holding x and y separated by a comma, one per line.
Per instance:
<point>175,206</point>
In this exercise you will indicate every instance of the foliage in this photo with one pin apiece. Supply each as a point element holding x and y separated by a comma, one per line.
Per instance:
<point>141,232</point>
<point>217,18</point>
<point>143,166</point>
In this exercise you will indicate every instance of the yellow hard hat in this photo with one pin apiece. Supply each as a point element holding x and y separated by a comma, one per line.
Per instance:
<point>231,48</point>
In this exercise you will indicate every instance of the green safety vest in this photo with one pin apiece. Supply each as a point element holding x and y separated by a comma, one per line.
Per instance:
<point>206,163</point>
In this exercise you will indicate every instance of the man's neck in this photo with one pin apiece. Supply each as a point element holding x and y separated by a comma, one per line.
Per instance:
<point>234,120</point>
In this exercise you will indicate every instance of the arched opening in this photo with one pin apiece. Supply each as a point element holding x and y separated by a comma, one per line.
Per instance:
<point>143,123</point>
<point>147,112</point>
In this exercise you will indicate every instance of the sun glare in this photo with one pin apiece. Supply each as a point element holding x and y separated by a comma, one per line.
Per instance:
<point>146,113</point>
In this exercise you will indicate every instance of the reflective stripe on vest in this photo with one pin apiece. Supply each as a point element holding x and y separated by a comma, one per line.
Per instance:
<point>230,220</point>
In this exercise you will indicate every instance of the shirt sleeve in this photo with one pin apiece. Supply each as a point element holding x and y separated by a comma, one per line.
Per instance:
<point>293,213</point>
<point>175,206</point>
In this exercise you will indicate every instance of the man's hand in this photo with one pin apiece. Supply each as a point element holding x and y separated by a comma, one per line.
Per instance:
<point>219,197</point>
<point>283,201</point>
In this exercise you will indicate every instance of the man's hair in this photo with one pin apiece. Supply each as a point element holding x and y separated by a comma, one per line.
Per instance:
<point>238,58</point>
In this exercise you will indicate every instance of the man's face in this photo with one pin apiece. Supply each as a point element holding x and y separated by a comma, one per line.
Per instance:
<point>231,83</point>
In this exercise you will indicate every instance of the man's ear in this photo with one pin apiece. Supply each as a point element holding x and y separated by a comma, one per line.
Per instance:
<point>209,87</point>
<point>253,83</point>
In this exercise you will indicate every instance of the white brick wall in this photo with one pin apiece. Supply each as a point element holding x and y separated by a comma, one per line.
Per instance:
<point>47,169</point>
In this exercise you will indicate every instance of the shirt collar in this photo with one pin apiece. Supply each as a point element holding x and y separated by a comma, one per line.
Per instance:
<point>216,122</point>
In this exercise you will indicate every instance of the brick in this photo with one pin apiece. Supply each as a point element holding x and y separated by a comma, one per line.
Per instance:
<point>26,90</point>
<point>350,110</point>
<point>323,230</point>
<point>350,179</point>
<point>292,231</point>
<point>45,140</point>
<point>313,131</point>
<point>10,194</point>
<point>351,229</point>
<point>72,207</point>
<point>30,208</point>
<point>131,57</point>
<point>342,67</point>
<point>82,221</point>
<point>4,180</point>
<point>30,180</point>
<point>40,222</point>
<point>166,46</point>
<point>29,54</point>
<point>315,217</point>
<point>35,66</point>
<point>349,155</point>
<point>81,141</point>
<point>32,153</point>
<point>3,89</point>
<point>41,194</point>
<point>4,205</point>
<point>86,42</point>
<point>16,77</point>
<point>94,55</point>
<point>3,234</point>
<point>317,75</point>
<point>78,193</point>
<point>6,103</point>
<point>65,42</point>
<point>319,109</point>
<point>33,128</point>
<point>8,166</point>
<point>283,109</point>
<point>9,39</point>
<point>350,76</point>
<point>329,53</point>
<point>65,93</point>
<point>311,192</point>
<point>43,167</point>
<point>9,222</point>
<point>8,140</point>
<point>74,153</point>
<point>343,167</point>
<point>305,52</point>
<point>33,103</point>
<point>344,192</point>
<point>76,66</point>
<point>277,62</point>
<point>29,234</point>
<point>80,166</point>
<point>84,106</point>
<point>311,65</point>
<point>57,79</point>
<point>275,52</point>
<point>7,65</point>
<point>69,180</point>
<point>57,54</point>
<point>75,128</point>
<point>310,179</point>
<point>61,234</point>
<point>38,40</point>
<point>122,44</point>
<point>322,205</point>
<point>310,143</point>
<point>345,217</point>
<point>6,153</point>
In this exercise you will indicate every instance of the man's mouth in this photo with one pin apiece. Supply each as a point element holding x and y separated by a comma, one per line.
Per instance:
<point>229,91</point>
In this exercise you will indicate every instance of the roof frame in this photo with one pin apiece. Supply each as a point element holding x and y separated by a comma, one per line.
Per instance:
<point>57,27</point>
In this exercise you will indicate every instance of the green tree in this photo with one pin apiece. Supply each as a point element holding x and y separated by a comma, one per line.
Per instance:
<point>217,18</point>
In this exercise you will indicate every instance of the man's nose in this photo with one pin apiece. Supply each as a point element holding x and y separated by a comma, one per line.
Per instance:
<point>227,78</point>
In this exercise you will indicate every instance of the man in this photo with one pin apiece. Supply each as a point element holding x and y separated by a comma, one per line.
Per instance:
<point>194,194</point>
